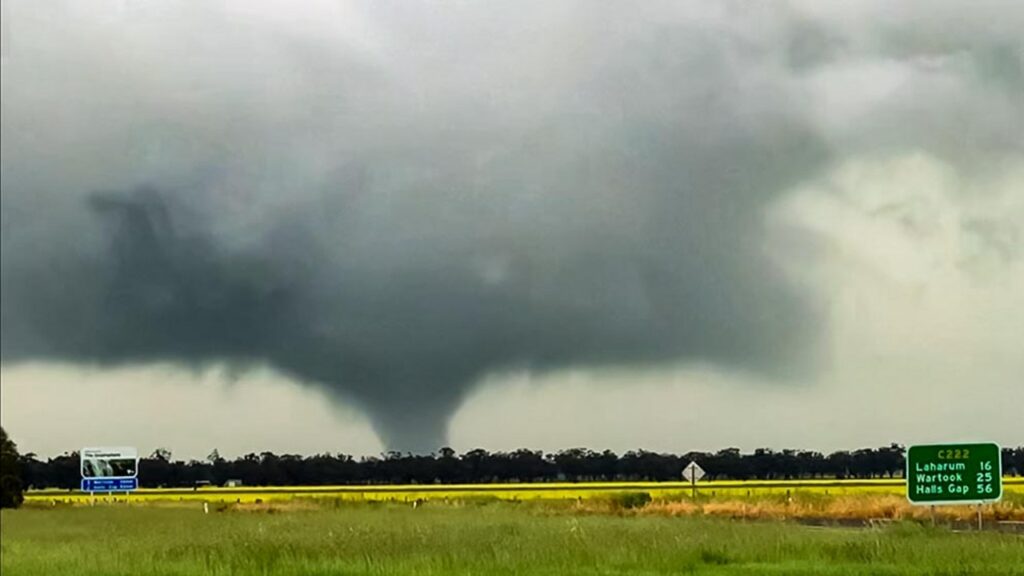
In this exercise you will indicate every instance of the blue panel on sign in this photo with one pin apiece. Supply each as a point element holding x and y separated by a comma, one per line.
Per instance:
<point>109,484</point>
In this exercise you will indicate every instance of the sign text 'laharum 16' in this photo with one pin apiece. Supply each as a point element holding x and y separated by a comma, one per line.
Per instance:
<point>954,473</point>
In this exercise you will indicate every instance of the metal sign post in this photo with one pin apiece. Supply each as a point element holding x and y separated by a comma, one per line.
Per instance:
<point>693,473</point>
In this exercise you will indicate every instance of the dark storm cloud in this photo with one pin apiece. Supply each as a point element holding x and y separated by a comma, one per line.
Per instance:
<point>391,203</point>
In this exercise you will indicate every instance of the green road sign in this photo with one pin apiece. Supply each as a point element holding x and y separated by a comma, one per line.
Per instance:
<point>954,474</point>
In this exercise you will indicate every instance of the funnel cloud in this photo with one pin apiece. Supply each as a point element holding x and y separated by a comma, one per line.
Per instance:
<point>391,202</point>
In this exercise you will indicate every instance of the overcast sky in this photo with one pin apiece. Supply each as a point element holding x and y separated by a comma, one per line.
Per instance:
<point>349,227</point>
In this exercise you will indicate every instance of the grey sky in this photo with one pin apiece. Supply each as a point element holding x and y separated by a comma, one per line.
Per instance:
<point>675,226</point>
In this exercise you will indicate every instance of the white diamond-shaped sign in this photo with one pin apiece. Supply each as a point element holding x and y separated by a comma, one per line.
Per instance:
<point>693,472</point>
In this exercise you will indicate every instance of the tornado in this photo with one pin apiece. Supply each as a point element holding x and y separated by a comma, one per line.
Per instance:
<point>391,206</point>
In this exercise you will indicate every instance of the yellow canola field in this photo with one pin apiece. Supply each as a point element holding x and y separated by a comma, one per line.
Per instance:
<point>537,491</point>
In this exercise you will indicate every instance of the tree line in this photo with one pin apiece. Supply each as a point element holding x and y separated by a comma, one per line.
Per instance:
<point>480,466</point>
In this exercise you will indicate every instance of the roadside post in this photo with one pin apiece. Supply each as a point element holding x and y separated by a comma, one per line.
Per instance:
<point>949,474</point>
<point>693,473</point>
<point>109,470</point>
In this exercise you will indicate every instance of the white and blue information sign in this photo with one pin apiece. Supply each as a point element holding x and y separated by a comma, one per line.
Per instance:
<point>110,469</point>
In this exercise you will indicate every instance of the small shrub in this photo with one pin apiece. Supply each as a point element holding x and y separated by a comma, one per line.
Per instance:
<point>714,556</point>
<point>632,500</point>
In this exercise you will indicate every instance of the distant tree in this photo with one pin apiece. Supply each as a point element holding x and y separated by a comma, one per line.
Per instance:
<point>572,463</point>
<point>11,488</point>
<point>890,460</point>
<point>728,463</point>
<point>158,470</point>
<point>65,471</point>
<point>527,466</point>
<point>840,464</point>
<point>33,472</point>
<point>1013,461</point>
<point>764,464</point>
<point>476,466</point>
<point>447,466</point>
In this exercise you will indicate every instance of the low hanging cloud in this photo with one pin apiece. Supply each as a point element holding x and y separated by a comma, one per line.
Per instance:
<point>394,201</point>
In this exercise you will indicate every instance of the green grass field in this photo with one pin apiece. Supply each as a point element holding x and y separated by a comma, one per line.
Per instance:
<point>481,539</point>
